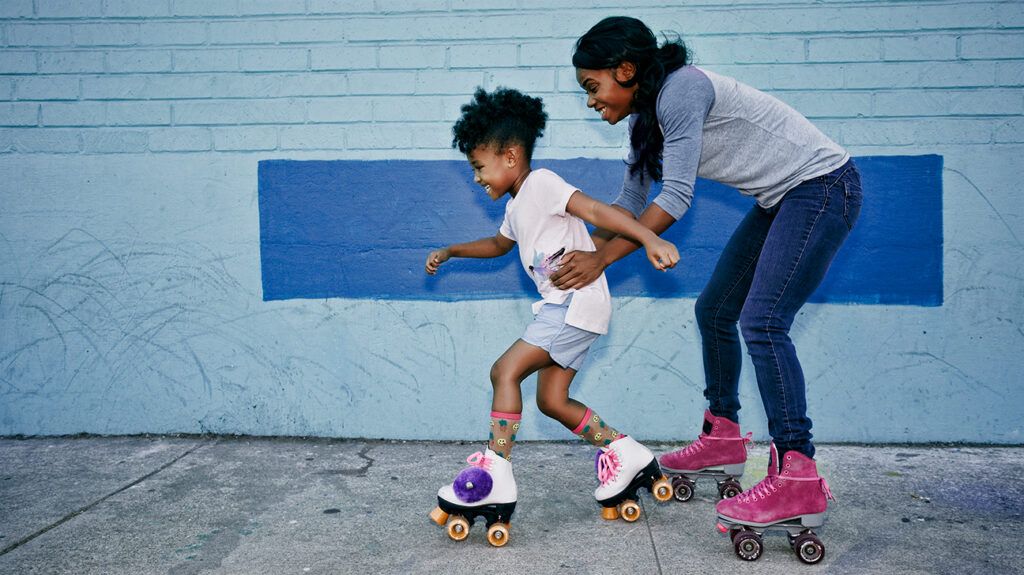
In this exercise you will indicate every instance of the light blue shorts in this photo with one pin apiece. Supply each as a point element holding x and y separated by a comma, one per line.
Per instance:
<point>567,345</point>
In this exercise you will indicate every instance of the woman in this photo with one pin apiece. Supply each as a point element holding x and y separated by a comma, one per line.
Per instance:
<point>685,122</point>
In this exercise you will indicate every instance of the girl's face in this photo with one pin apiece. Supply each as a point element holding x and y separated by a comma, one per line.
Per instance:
<point>494,169</point>
<point>605,94</point>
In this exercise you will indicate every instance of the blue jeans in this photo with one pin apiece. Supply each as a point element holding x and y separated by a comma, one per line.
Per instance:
<point>774,261</point>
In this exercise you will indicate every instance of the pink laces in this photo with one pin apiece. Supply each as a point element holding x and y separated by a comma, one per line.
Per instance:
<point>695,446</point>
<point>699,444</point>
<point>762,490</point>
<point>826,490</point>
<point>608,466</point>
<point>767,486</point>
<point>824,485</point>
<point>480,460</point>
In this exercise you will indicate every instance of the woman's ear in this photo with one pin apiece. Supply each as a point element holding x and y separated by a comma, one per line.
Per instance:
<point>625,71</point>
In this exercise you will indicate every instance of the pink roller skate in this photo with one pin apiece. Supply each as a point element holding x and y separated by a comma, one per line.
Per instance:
<point>792,498</point>
<point>622,468</point>
<point>719,453</point>
<point>486,488</point>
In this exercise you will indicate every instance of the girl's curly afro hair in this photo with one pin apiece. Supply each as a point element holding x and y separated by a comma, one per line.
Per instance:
<point>503,117</point>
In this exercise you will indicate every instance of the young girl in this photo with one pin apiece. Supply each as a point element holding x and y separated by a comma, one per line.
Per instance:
<point>686,121</point>
<point>545,216</point>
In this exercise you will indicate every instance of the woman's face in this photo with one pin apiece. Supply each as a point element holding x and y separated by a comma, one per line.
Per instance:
<point>604,92</point>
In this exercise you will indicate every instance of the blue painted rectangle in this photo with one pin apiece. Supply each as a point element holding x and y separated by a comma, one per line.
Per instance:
<point>363,229</point>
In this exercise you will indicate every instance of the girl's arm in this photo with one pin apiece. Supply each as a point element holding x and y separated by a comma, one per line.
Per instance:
<point>577,269</point>
<point>493,247</point>
<point>602,236</point>
<point>661,253</point>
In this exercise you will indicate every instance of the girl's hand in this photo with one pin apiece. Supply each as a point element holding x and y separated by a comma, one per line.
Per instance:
<point>662,254</point>
<point>436,258</point>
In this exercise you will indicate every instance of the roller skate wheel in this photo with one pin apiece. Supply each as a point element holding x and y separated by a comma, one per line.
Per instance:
<point>662,490</point>
<point>809,548</point>
<point>438,516</point>
<point>748,545</point>
<point>630,511</point>
<point>497,534</point>
<point>728,489</point>
<point>609,513</point>
<point>682,489</point>
<point>458,528</point>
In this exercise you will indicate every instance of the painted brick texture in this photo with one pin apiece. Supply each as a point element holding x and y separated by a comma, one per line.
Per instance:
<point>872,73</point>
<point>131,133</point>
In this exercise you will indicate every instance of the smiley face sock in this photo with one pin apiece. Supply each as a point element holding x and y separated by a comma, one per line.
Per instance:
<point>504,427</point>
<point>594,430</point>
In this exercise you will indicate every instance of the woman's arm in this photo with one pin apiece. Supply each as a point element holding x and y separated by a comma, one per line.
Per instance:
<point>578,269</point>
<point>662,254</point>
<point>683,105</point>
<point>492,247</point>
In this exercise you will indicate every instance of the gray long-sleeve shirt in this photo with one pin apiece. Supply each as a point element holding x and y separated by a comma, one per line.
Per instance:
<point>723,130</point>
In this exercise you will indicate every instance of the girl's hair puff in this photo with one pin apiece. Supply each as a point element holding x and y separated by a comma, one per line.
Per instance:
<point>502,117</point>
<point>620,39</point>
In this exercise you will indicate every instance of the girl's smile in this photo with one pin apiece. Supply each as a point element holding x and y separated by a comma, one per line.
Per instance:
<point>499,172</point>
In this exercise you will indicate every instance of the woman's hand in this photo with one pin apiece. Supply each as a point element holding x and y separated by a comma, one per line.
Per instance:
<point>436,258</point>
<point>578,269</point>
<point>662,254</point>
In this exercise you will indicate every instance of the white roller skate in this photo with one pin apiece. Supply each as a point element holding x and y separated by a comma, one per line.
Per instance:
<point>622,468</point>
<point>487,489</point>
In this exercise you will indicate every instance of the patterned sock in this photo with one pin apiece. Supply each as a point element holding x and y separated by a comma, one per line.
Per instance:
<point>595,430</point>
<point>504,427</point>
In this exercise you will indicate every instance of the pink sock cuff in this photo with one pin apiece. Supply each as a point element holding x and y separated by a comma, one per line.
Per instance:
<point>583,423</point>
<point>512,416</point>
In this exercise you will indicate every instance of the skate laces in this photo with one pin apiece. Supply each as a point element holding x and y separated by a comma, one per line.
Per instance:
<point>824,485</point>
<point>762,490</point>
<point>480,460</point>
<point>746,439</point>
<point>767,486</point>
<point>608,466</point>
<point>695,446</point>
<point>826,490</point>
<point>700,444</point>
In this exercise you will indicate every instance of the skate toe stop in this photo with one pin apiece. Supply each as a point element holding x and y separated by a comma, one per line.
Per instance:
<point>438,516</point>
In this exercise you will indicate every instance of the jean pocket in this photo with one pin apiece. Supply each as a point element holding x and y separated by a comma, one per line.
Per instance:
<point>853,199</point>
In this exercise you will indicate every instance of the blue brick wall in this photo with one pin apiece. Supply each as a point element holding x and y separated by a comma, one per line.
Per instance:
<point>909,73</point>
<point>130,135</point>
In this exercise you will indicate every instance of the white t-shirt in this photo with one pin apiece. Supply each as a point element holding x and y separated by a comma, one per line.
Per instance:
<point>536,219</point>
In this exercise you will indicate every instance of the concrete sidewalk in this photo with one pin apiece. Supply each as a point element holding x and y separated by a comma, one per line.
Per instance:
<point>240,505</point>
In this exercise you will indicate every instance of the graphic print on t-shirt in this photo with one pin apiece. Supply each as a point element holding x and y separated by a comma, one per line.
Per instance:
<point>543,267</point>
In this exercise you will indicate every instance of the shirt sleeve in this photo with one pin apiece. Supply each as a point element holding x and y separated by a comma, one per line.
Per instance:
<point>683,104</point>
<point>506,228</point>
<point>554,192</point>
<point>635,187</point>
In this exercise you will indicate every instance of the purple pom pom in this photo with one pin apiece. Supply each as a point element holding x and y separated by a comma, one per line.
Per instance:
<point>597,459</point>
<point>473,484</point>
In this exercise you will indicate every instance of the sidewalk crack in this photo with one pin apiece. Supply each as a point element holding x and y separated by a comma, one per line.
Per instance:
<point>650,534</point>
<point>78,512</point>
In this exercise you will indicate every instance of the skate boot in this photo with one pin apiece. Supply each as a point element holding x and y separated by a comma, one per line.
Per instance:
<point>792,498</point>
<point>487,489</point>
<point>622,468</point>
<point>719,453</point>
